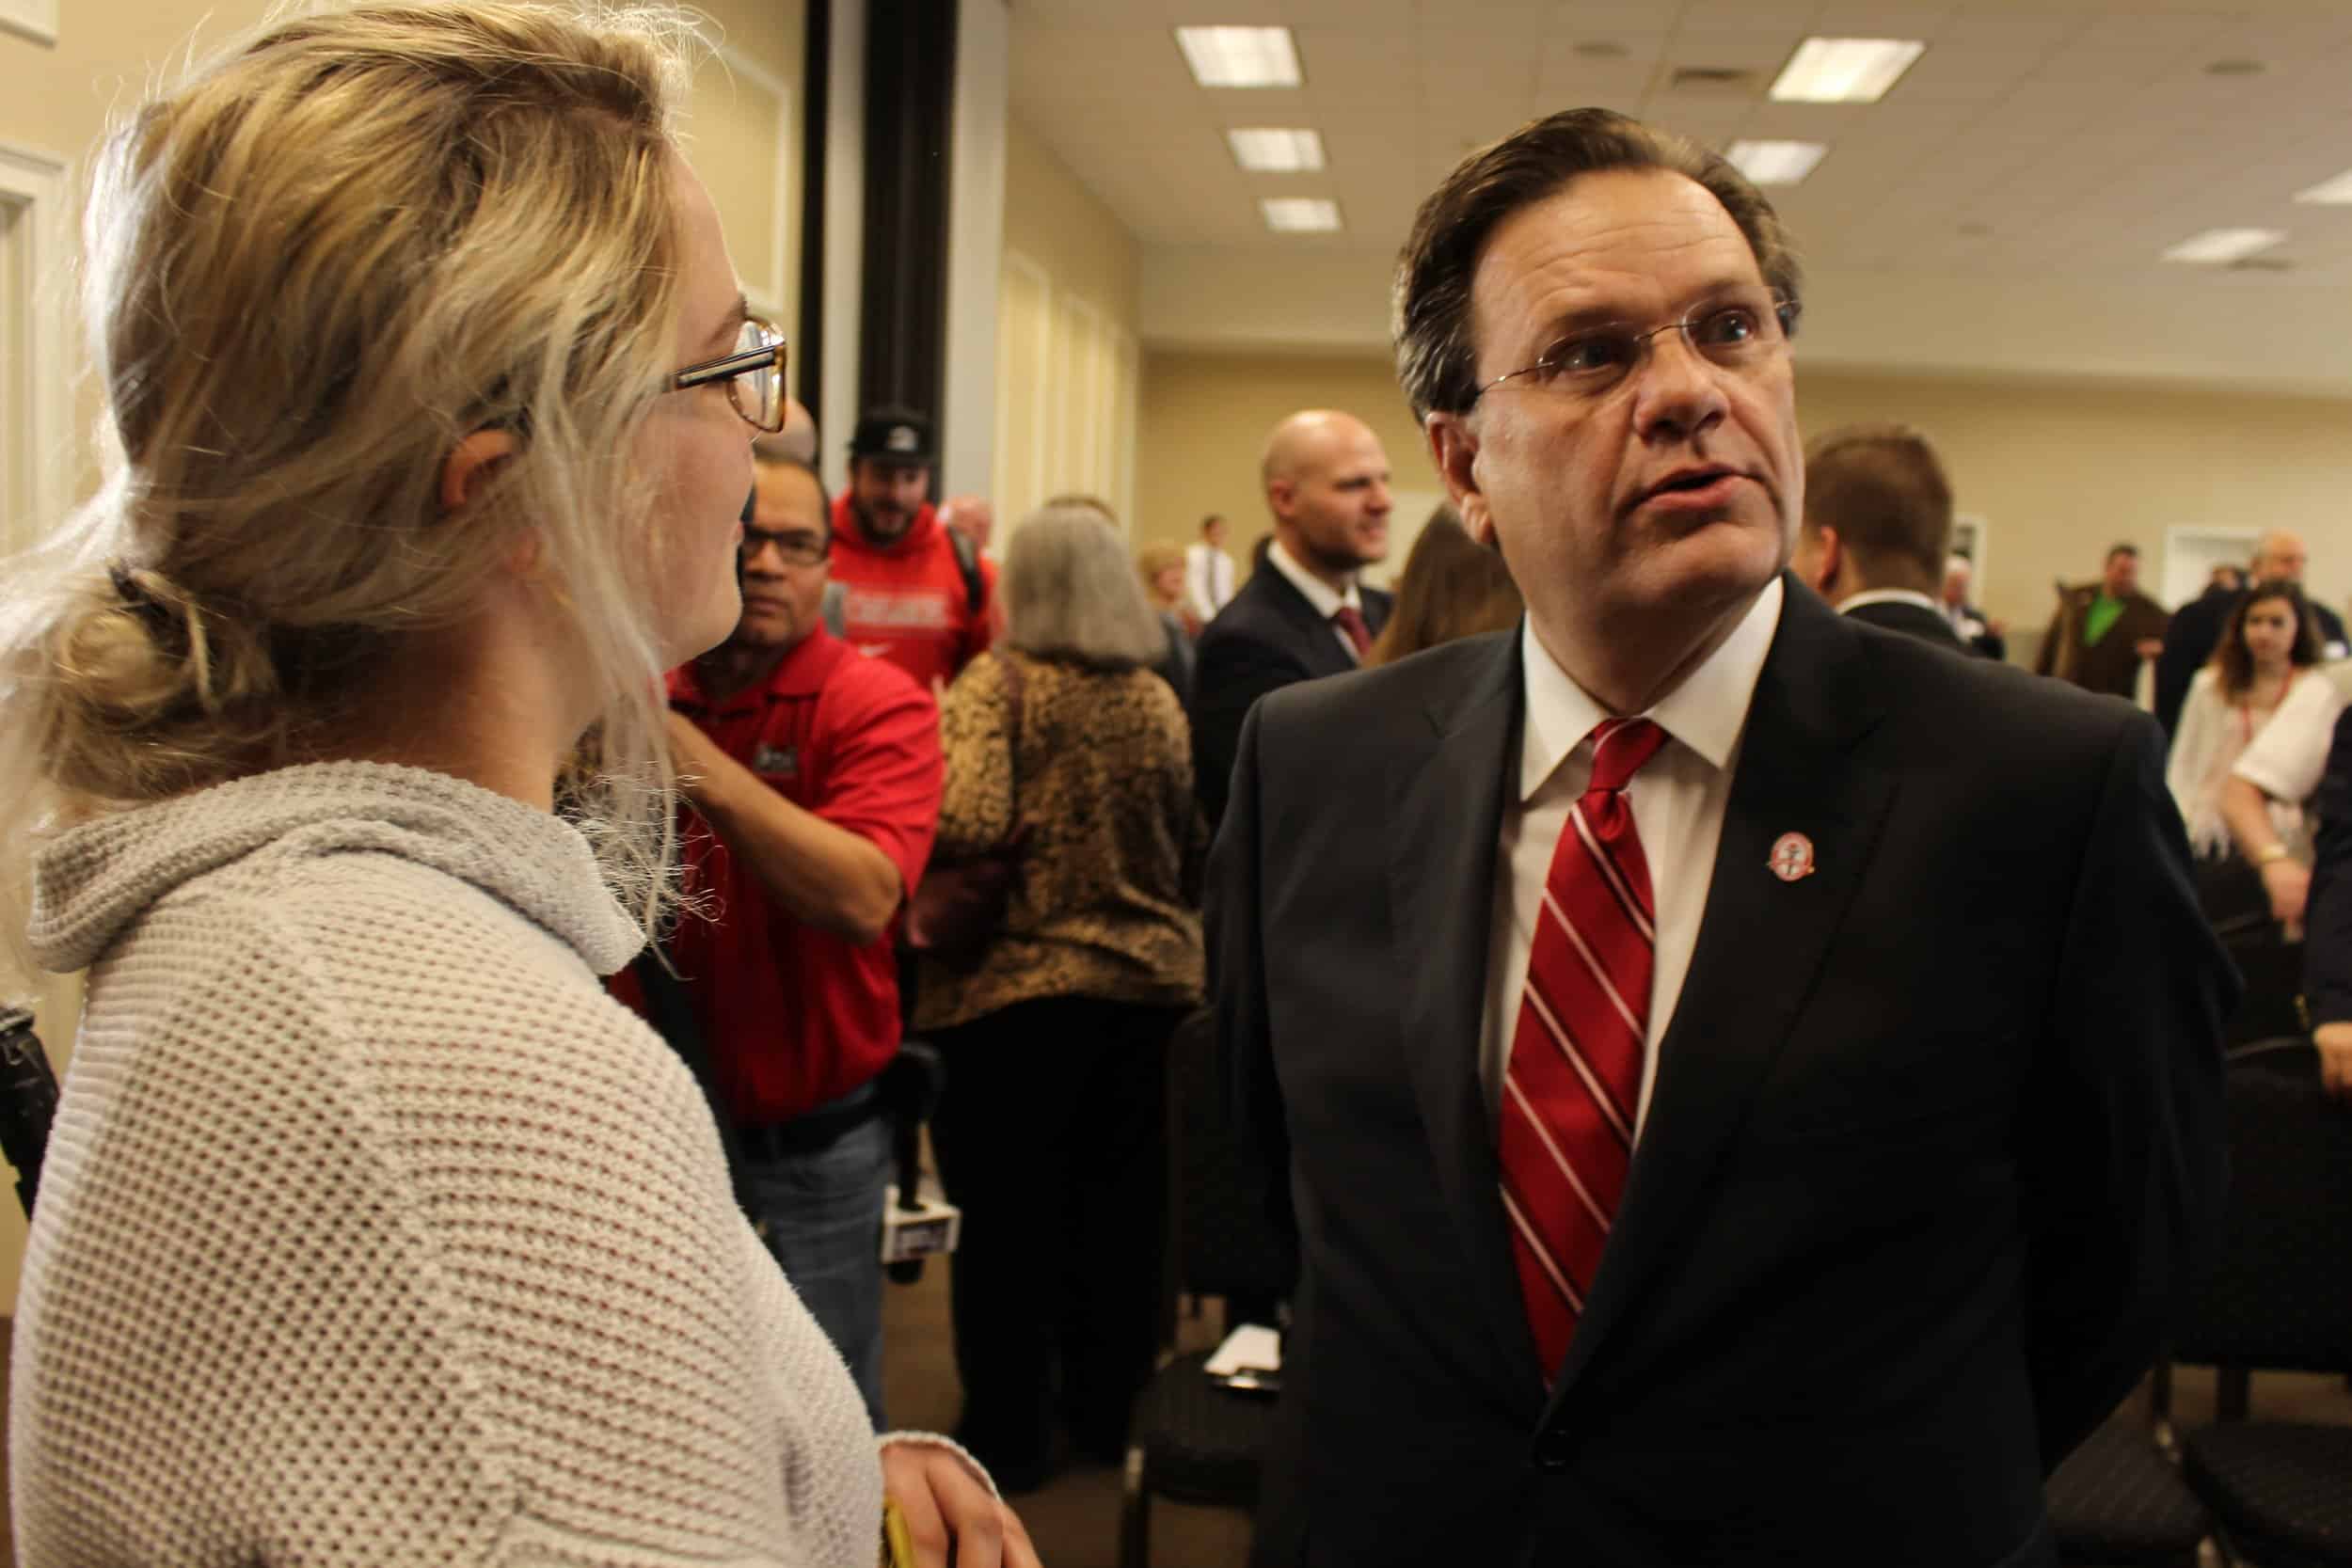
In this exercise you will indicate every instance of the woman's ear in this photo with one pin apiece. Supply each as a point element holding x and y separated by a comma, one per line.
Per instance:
<point>1453,447</point>
<point>471,465</point>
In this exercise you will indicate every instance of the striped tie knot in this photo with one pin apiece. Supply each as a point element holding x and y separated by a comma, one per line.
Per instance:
<point>1620,747</point>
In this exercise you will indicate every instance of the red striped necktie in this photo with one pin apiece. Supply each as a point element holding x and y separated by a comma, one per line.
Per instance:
<point>1351,621</point>
<point>1574,1080</point>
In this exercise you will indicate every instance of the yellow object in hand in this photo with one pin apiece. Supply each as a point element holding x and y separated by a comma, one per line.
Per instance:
<point>898,1547</point>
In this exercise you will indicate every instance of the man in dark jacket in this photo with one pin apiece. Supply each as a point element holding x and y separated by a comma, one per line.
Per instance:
<point>1878,516</point>
<point>2103,630</point>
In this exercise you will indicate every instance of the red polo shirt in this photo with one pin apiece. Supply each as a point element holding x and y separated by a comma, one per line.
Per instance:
<point>907,601</point>
<point>795,1017</point>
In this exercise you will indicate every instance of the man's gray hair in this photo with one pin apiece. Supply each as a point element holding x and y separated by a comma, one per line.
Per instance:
<point>1071,591</point>
<point>1435,360</point>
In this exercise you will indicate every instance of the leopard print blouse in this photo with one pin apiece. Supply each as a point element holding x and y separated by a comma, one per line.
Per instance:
<point>1103,906</point>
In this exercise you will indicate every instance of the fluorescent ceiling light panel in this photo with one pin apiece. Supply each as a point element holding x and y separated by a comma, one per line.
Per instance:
<point>1300,214</point>
<point>1845,71</point>
<point>2218,245</point>
<point>1272,152</point>
<point>1240,56</point>
<point>1777,162</point>
<point>2329,193</point>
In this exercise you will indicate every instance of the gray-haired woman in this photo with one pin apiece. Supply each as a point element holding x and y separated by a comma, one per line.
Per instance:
<point>1051,1133</point>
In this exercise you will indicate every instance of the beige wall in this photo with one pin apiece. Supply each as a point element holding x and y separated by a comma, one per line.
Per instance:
<point>742,121</point>
<point>2059,471</point>
<point>1205,419</point>
<point>742,125</point>
<point>1067,360</point>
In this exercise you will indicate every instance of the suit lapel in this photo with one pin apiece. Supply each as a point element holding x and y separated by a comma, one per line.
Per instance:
<point>1318,644</point>
<point>1762,941</point>
<point>1447,807</point>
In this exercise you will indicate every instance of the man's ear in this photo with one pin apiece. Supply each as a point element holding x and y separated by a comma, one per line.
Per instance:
<point>471,465</point>
<point>1453,447</point>
<point>1828,555</point>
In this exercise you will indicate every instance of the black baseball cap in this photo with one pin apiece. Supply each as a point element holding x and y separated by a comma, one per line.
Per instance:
<point>895,435</point>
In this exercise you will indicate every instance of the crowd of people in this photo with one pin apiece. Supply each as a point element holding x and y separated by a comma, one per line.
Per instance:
<point>512,848</point>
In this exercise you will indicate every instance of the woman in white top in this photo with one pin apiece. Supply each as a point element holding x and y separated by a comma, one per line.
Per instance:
<point>372,1231</point>
<point>2269,642</point>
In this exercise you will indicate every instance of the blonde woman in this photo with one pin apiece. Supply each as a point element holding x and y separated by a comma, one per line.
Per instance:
<point>372,1231</point>
<point>1051,1131</point>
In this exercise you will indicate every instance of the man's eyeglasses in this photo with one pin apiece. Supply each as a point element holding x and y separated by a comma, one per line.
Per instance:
<point>799,548</point>
<point>754,374</point>
<point>1736,330</point>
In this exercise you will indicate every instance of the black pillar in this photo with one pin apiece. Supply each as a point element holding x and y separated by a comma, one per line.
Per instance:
<point>910,106</point>
<point>808,340</point>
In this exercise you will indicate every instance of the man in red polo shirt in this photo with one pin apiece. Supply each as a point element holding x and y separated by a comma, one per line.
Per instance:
<point>919,595</point>
<point>818,773</point>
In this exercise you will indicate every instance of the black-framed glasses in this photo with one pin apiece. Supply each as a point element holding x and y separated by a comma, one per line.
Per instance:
<point>1736,330</point>
<point>754,374</point>
<point>798,547</point>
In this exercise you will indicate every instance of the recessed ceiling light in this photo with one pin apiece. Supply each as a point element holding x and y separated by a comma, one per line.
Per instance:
<point>1300,214</point>
<point>2329,193</point>
<point>1266,151</point>
<point>1240,56</point>
<point>2224,244</point>
<point>1777,162</point>
<point>1845,71</point>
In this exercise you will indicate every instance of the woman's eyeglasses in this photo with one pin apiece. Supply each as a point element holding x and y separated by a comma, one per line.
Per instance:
<point>754,374</point>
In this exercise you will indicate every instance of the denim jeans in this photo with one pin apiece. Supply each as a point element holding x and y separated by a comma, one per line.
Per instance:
<point>822,1215</point>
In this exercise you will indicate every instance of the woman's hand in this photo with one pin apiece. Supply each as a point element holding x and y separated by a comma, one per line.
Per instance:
<point>946,1505</point>
<point>2288,882</point>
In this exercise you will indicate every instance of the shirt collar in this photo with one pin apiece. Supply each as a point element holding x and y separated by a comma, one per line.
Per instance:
<point>1891,596</point>
<point>1705,712</point>
<point>1318,591</point>
<point>801,672</point>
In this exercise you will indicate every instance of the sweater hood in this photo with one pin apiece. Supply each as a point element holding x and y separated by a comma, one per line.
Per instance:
<point>93,881</point>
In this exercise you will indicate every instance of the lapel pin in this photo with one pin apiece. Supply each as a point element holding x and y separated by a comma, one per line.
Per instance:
<point>1792,857</point>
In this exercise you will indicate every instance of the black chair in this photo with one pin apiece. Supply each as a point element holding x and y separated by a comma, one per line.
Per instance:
<point>1194,1440</point>
<point>2119,1499</point>
<point>2280,1300</point>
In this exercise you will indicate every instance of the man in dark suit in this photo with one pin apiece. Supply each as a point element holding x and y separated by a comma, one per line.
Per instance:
<point>1302,614</point>
<point>2103,631</point>
<point>1673,1181</point>
<point>2197,625</point>
<point>1878,514</point>
<point>1972,625</point>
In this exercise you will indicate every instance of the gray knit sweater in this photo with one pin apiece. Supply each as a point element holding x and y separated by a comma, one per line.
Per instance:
<point>374,1233</point>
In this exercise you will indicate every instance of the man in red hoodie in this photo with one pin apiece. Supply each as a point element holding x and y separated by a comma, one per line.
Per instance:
<point>918,593</point>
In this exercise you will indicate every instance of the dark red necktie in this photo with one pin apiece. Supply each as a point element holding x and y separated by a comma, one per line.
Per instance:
<point>1574,1081</point>
<point>1351,621</point>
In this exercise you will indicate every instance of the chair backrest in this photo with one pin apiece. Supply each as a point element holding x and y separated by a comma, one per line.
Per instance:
<point>2280,1297</point>
<point>1226,1240</point>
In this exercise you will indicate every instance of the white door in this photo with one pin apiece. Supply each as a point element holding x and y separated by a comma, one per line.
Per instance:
<point>2190,554</point>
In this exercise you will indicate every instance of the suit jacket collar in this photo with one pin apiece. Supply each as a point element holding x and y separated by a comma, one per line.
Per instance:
<point>1813,703</point>
<point>1317,643</point>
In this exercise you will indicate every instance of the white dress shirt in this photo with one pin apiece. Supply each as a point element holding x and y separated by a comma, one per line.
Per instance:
<point>1319,594</point>
<point>1890,595</point>
<point>1677,801</point>
<point>1208,579</point>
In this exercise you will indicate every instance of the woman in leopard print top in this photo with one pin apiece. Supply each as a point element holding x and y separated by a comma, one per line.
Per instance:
<point>1051,1134</point>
